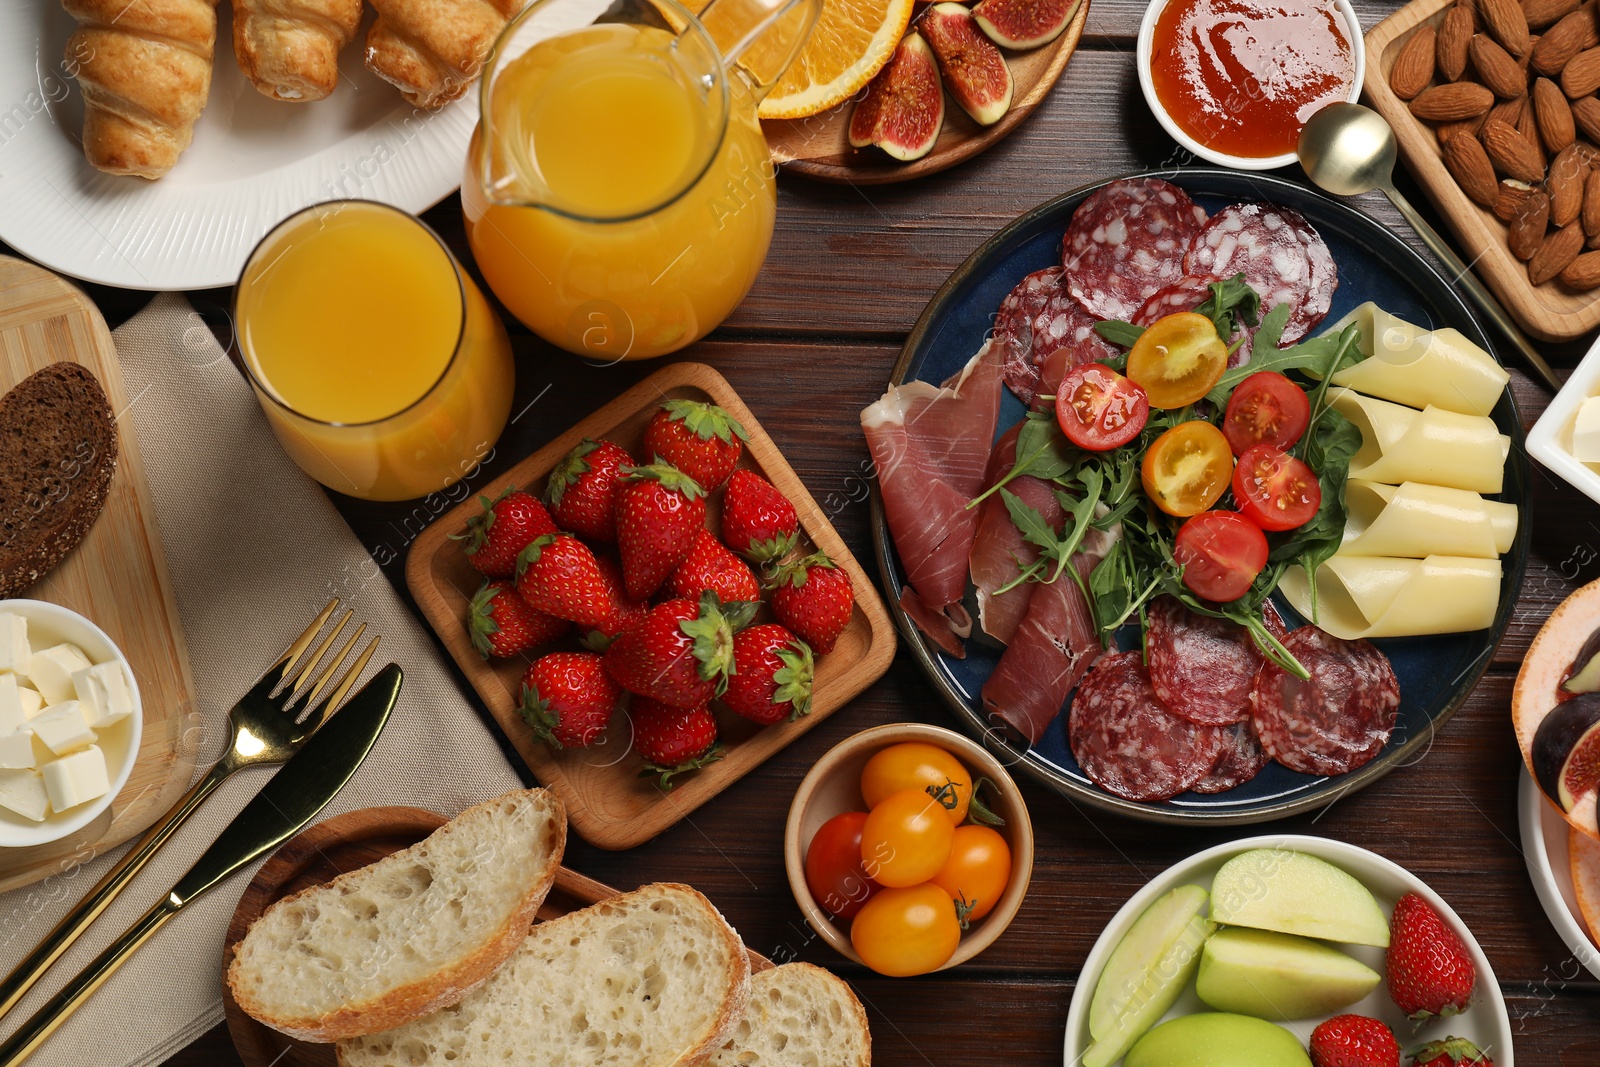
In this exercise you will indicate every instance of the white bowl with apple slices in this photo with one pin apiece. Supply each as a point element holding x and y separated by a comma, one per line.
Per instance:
<point>1484,1023</point>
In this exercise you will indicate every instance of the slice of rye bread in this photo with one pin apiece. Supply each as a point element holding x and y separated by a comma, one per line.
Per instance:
<point>58,449</point>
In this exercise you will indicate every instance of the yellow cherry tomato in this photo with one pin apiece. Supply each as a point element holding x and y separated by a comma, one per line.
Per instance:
<point>918,765</point>
<point>906,931</point>
<point>1178,359</point>
<point>977,871</point>
<point>1187,468</point>
<point>906,839</point>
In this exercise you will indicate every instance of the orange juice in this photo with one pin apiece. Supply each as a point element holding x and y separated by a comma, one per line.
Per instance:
<point>603,239</point>
<point>381,367</point>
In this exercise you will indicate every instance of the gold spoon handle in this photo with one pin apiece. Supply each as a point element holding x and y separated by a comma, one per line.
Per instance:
<point>1481,297</point>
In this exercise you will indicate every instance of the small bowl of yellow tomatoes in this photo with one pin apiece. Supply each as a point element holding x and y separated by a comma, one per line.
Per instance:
<point>908,848</point>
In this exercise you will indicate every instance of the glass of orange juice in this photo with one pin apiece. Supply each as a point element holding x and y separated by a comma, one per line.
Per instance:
<point>381,367</point>
<point>619,195</point>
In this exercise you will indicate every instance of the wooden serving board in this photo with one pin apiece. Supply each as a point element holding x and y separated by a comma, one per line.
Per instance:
<point>819,146</point>
<point>1550,311</point>
<point>117,576</point>
<point>607,802</point>
<point>322,853</point>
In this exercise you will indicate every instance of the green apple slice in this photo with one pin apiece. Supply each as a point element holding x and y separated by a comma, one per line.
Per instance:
<point>1214,1039</point>
<point>1279,976</point>
<point>1293,893</point>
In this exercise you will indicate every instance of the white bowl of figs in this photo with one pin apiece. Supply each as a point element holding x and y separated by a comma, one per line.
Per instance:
<point>1257,952</point>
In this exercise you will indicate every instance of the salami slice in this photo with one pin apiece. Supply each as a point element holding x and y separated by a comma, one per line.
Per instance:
<point>1281,256</point>
<point>1202,668</point>
<point>1127,743</point>
<point>1336,721</point>
<point>1186,294</point>
<point>1126,241</point>
<point>1013,329</point>
<point>1241,760</point>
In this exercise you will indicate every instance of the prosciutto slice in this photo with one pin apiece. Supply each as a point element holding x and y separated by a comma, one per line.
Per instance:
<point>999,551</point>
<point>930,446</point>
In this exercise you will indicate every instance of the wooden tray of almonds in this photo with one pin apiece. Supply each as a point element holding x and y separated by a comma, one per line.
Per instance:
<point>1493,105</point>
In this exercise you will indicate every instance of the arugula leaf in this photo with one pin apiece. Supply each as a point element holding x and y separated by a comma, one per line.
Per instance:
<point>1324,355</point>
<point>1118,332</point>
<point>1043,451</point>
<point>1232,304</point>
<point>1328,447</point>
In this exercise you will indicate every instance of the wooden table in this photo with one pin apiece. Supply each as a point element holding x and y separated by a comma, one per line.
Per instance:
<point>850,269</point>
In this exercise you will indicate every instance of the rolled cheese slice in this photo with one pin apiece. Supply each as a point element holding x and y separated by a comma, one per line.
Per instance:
<point>1410,365</point>
<point>1381,596</point>
<point>1439,447</point>
<point>1417,520</point>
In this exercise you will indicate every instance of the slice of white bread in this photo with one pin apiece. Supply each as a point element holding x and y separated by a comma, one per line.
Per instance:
<point>410,934</point>
<point>799,1016</point>
<point>652,978</point>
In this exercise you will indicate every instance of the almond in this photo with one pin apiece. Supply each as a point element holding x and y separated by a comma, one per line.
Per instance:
<point>1592,243</point>
<point>1586,115</point>
<point>1568,172</point>
<point>1453,102</point>
<point>1527,57</point>
<point>1556,253</point>
<point>1455,35</point>
<point>1528,225</point>
<point>1496,68</point>
<point>1589,214</point>
<point>1582,273</point>
<point>1528,126</point>
<point>1510,197</point>
<point>1447,130</point>
<point>1506,23</point>
<point>1542,13</point>
<point>1413,67</point>
<point>1507,111</point>
<point>1564,40</point>
<point>1554,115</point>
<point>1581,76</point>
<point>1590,23</point>
<point>1467,162</point>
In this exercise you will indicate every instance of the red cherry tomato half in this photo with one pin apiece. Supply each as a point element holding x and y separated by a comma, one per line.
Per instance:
<point>1221,553</point>
<point>1274,490</point>
<point>1099,409</point>
<point>1265,408</point>
<point>833,866</point>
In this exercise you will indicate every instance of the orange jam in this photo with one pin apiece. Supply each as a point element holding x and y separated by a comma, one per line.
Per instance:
<point>1243,76</point>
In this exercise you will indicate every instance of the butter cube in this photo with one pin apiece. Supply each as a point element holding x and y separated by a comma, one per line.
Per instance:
<point>76,779</point>
<point>32,702</point>
<point>63,728</point>
<point>14,650</point>
<point>103,692</point>
<point>51,671</point>
<point>23,792</point>
<point>16,751</point>
<point>1586,432</point>
<point>13,710</point>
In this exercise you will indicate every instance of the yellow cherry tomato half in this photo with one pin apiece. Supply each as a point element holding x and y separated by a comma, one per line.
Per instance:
<point>918,765</point>
<point>1186,469</point>
<point>906,931</point>
<point>977,871</point>
<point>906,839</point>
<point>1178,359</point>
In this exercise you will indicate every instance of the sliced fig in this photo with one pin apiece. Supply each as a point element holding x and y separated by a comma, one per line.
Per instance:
<point>1580,773</point>
<point>1584,674</point>
<point>903,109</point>
<point>1568,731</point>
<point>1024,24</point>
<point>974,70</point>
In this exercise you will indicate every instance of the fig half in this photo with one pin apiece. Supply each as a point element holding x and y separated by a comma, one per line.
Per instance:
<point>1566,751</point>
<point>974,70</point>
<point>903,109</point>
<point>1024,24</point>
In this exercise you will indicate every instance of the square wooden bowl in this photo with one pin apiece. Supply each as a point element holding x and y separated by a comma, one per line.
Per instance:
<point>1550,311</point>
<point>607,802</point>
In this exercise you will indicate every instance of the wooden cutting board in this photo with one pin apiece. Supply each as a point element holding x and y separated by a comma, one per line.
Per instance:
<point>117,576</point>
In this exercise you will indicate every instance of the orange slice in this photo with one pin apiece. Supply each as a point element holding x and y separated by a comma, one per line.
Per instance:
<point>851,43</point>
<point>1586,880</point>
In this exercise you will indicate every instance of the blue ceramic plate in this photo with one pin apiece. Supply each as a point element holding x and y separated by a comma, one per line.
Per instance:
<point>1435,673</point>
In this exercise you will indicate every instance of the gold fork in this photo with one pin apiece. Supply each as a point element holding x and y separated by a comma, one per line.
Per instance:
<point>268,727</point>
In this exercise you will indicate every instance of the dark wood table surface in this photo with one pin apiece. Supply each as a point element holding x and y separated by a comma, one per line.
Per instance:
<point>850,269</point>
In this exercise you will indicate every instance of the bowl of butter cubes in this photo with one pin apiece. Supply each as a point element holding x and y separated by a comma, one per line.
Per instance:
<point>1566,439</point>
<point>70,722</point>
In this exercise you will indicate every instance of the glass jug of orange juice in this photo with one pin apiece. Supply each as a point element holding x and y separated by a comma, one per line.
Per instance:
<point>619,195</point>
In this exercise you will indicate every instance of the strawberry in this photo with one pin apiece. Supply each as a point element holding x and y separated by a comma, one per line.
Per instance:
<point>709,565</point>
<point>813,598</point>
<point>558,575</point>
<point>660,509</point>
<point>582,491</point>
<point>673,740</point>
<point>771,678</point>
<point>758,521</point>
<point>1354,1041</point>
<point>502,530</point>
<point>700,439</point>
<point>680,653</point>
<point>502,624</point>
<point>568,698</point>
<point>1448,1053</point>
<point>622,611</point>
<point>1430,972</point>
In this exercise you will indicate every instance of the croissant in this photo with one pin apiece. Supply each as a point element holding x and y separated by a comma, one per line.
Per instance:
<point>289,49</point>
<point>433,49</point>
<point>145,71</point>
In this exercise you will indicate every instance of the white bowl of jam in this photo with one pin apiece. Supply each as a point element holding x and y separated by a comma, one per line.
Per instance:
<point>1233,81</point>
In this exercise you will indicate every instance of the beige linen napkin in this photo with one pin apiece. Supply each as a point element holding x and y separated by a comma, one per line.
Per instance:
<point>254,549</point>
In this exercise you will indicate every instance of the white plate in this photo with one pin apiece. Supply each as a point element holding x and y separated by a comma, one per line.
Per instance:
<point>1550,440</point>
<point>1485,1022</point>
<point>1544,848</point>
<point>254,161</point>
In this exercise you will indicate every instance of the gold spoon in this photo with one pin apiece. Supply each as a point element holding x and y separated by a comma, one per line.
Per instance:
<point>1348,149</point>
